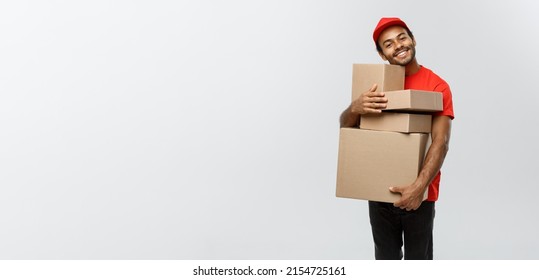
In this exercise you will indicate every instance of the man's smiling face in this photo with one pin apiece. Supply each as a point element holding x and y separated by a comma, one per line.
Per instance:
<point>397,46</point>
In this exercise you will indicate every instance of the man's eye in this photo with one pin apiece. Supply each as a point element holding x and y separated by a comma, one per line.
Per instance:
<point>388,46</point>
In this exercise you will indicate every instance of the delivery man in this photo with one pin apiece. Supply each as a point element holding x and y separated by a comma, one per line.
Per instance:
<point>409,218</point>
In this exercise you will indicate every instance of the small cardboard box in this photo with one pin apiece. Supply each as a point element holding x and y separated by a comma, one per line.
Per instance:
<point>372,161</point>
<point>414,100</point>
<point>387,77</point>
<point>399,122</point>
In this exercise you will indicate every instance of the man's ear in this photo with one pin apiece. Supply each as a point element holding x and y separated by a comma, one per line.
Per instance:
<point>384,58</point>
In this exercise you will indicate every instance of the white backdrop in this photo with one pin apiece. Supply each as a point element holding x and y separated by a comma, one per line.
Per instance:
<point>209,129</point>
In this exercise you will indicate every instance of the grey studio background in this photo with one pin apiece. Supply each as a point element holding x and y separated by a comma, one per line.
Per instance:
<point>209,129</point>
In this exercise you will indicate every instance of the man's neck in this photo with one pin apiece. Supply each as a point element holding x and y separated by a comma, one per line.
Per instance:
<point>411,68</point>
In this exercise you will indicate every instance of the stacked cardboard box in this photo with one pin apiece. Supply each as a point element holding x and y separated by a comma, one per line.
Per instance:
<point>388,148</point>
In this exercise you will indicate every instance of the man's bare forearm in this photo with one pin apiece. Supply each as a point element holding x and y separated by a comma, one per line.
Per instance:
<point>432,163</point>
<point>436,154</point>
<point>349,119</point>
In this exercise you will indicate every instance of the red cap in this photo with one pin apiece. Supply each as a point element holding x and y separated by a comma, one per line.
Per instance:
<point>385,23</point>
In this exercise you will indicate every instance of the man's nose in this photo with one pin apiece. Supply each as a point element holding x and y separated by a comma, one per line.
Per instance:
<point>398,44</point>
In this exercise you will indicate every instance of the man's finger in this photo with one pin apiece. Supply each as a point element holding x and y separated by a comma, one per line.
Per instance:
<point>376,105</point>
<point>377,97</point>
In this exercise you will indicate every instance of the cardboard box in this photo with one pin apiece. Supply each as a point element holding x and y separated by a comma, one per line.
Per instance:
<point>400,122</point>
<point>414,100</point>
<point>371,161</point>
<point>387,77</point>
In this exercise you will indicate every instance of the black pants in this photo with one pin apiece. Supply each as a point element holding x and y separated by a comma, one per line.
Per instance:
<point>389,224</point>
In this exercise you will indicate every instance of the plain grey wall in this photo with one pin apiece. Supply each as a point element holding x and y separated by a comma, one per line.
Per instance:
<point>209,129</point>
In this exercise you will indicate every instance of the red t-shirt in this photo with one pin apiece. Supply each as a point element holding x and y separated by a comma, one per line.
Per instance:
<point>425,79</point>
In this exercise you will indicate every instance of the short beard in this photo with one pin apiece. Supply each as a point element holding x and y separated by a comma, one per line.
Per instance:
<point>406,62</point>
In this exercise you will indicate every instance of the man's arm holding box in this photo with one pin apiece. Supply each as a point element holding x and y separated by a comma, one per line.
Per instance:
<point>367,102</point>
<point>412,195</point>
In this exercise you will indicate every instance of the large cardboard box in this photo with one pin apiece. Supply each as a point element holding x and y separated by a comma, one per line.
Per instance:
<point>372,161</point>
<point>387,77</point>
<point>400,122</point>
<point>414,100</point>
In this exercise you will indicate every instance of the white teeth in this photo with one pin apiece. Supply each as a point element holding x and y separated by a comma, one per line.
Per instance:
<point>401,54</point>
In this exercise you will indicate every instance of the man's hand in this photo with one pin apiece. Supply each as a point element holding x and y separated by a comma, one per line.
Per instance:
<point>411,197</point>
<point>369,102</point>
